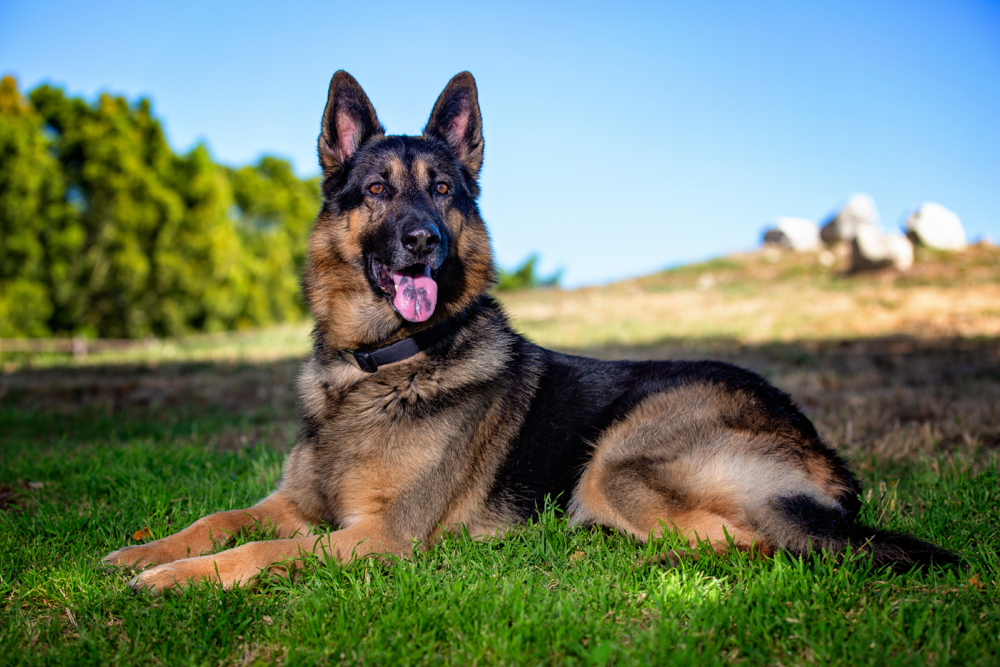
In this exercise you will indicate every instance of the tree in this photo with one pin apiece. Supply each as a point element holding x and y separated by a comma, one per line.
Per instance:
<point>274,211</point>
<point>31,198</point>
<point>107,232</point>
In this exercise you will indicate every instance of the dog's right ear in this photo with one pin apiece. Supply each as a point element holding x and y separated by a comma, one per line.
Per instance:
<point>349,120</point>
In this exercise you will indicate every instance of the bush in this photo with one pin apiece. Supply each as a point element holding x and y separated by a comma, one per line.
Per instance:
<point>525,277</point>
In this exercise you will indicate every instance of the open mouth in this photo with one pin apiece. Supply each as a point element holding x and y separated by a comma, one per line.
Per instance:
<point>412,289</point>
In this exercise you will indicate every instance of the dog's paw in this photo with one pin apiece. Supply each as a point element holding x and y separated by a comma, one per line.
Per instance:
<point>220,568</point>
<point>140,555</point>
<point>160,578</point>
<point>179,574</point>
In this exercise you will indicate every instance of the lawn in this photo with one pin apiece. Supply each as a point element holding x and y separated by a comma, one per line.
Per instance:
<point>900,373</point>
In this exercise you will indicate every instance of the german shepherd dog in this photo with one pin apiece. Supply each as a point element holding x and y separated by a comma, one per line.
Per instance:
<point>424,412</point>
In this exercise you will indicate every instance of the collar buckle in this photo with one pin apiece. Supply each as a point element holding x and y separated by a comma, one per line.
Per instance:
<point>360,360</point>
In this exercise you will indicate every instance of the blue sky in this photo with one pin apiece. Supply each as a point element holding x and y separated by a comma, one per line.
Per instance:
<point>620,138</point>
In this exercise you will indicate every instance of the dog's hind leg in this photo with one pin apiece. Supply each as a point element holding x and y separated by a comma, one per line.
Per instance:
<point>677,463</point>
<point>208,533</point>
<point>714,467</point>
<point>632,496</point>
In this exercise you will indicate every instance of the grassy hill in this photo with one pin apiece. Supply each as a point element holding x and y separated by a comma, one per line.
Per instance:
<point>773,295</point>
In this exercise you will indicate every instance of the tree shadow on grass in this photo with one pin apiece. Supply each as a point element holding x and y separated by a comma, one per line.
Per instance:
<point>230,404</point>
<point>889,399</point>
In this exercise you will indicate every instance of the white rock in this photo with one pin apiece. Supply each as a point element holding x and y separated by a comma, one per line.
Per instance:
<point>901,250</point>
<point>796,233</point>
<point>935,226</point>
<point>858,212</point>
<point>871,250</point>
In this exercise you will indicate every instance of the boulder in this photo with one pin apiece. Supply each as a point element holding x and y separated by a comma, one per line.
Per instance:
<point>858,212</point>
<point>871,250</point>
<point>796,233</point>
<point>934,226</point>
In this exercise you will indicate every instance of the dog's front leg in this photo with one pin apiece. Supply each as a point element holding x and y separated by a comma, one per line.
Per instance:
<point>215,529</point>
<point>237,566</point>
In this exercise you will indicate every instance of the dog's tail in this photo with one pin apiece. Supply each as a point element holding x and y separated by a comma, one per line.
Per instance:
<point>800,524</point>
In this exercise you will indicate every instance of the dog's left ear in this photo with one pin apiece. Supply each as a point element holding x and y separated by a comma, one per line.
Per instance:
<point>457,120</point>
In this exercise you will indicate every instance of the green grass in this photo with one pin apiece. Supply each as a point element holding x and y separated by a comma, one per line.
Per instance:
<point>547,594</point>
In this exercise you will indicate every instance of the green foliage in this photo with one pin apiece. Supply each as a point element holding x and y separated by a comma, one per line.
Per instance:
<point>525,277</point>
<point>107,232</point>
<point>31,190</point>
<point>274,211</point>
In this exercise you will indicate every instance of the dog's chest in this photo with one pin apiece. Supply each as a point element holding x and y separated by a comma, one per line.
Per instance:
<point>379,442</point>
<point>385,428</point>
<point>387,401</point>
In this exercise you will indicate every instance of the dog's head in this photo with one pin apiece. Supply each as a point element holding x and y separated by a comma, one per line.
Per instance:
<point>399,244</point>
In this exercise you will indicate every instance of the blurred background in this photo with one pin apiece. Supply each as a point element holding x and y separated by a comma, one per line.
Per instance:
<point>159,168</point>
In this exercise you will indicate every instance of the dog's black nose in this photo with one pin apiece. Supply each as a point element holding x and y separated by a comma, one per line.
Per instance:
<point>421,240</point>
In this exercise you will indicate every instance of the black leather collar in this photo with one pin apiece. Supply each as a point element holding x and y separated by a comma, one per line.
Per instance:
<point>369,361</point>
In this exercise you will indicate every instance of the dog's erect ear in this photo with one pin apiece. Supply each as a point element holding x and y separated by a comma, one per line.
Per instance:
<point>349,120</point>
<point>457,120</point>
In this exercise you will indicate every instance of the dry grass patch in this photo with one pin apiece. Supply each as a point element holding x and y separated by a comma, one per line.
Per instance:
<point>771,295</point>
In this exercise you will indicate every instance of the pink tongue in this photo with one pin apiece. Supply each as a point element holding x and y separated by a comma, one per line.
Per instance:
<point>416,295</point>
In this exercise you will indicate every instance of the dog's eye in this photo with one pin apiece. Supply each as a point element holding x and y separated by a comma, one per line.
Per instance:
<point>376,188</point>
<point>441,188</point>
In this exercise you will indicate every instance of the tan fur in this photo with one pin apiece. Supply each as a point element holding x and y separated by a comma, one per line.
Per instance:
<point>346,311</point>
<point>421,174</point>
